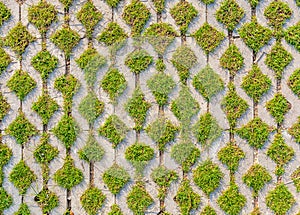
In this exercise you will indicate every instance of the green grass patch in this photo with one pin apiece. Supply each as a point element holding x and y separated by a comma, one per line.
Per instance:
<point>67,3</point>
<point>5,155</point>
<point>23,210</point>
<point>160,66</point>
<point>92,200</point>
<point>231,155</point>
<point>47,200</point>
<point>5,13</point>
<point>4,106</point>
<point>296,178</point>
<point>113,3</point>
<point>232,59</point>
<point>138,61</point>
<point>5,199</point>
<point>294,82</point>
<point>159,5</point>
<point>115,210</point>
<point>92,151</point>
<point>45,152</point>
<point>5,60</point>
<point>254,3</point>
<point>277,13</point>
<point>291,36</point>
<point>295,130</point>
<point>278,107</point>
<point>208,210</point>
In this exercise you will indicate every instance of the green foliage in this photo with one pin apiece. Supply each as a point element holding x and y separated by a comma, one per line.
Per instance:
<point>92,151</point>
<point>256,132</point>
<point>208,177</point>
<point>160,65</point>
<point>115,210</point>
<point>255,35</point>
<point>292,36</point>
<point>138,61</point>
<point>137,108</point>
<point>92,200</point>
<point>45,107</point>
<point>163,178</point>
<point>230,14</point>
<point>294,82</point>
<point>22,177</point>
<point>65,39</point>
<point>183,13</point>
<point>47,200</point>
<point>66,130</point>
<point>162,131</point>
<point>206,129</point>
<point>113,35</point>
<point>4,106</point>
<point>136,14</point>
<point>256,84</point>
<point>208,210</point>
<point>186,198</point>
<point>5,59</point>
<point>115,178</point>
<point>21,129</point>
<point>185,154</point>
<point>231,155</point>
<point>161,85</point>
<point>296,178</point>
<point>208,1</point>
<point>68,175</point>
<point>233,105</point>
<point>232,201</point>
<point>45,153</point>
<point>66,3</point>
<point>114,129</point>
<point>23,210</point>
<point>298,3</point>
<point>4,13</point>
<point>232,59</point>
<point>18,38</point>
<point>113,83</point>
<point>21,83</point>
<point>113,3</point>
<point>208,37</point>
<point>256,178</point>
<point>255,211</point>
<point>254,3</point>
<point>278,107</point>
<point>159,5</point>
<point>42,15</point>
<point>138,200</point>
<point>295,130</point>
<point>5,155</point>
<point>89,16</point>
<point>280,200</point>
<point>5,199</point>
<point>44,63</point>
<point>277,13</point>
<point>183,60</point>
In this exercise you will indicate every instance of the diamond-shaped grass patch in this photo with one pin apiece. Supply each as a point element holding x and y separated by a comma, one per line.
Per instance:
<point>231,155</point>
<point>278,59</point>
<point>208,176</point>
<point>23,209</point>
<point>114,129</point>
<point>22,177</point>
<point>208,37</point>
<point>280,200</point>
<point>45,106</point>
<point>47,200</point>
<point>5,60</point>
<point>113,35</point>
<point>115,178</point>
<point>292,36</point>
<point>92,200</point>
<point>45,152</point>
<point>230,14</point>
<point>115,210</point>
<point>183,13</point>
<point>295,130</point>
<point>256,84</point>
<point>4,106</point>
<point>5,155</point>
<point>277,13</point>
<point>296,178</point>
<point>256,178</point>
<point>21,83</point>
<point>278,107</point>
<point>232,59</point>
<point>208,210</point>
<point>5,200</point>
<point>92,151</point>
<point>21,129</point>
<point>138,61</point>
<point>4,13</point>
<point>66,3</point>
<point>294,82</point>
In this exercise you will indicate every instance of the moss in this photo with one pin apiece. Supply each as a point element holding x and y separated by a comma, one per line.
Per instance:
<point>92,151</point>
<point>160,65</point>
<point>21,83</point>
<point>47,200</point>
<point>292,36</point>
<point>256,132</point>
<point>113,83</point>
<point>294,82</point>
<point>186,198</point>
<point>159,5</point>
<point>115,210</point>
<point>183,13</point>
<point>277,13</point>
<point>163,178</point>
<point>115,178</point>
<point>162,131</point>
<point>208,176</point>
<point>185,154</point>
<point>18,38</point>
<point>22,177</point>
<point>45,107</point>
<point>255,35</point>
<point>4,13</point>
<point>256,178</point>
<point>161,85</point>
<point>136,14</point>
<point>66,130</point>
<point>230,14</point>
<point>208,210</point>
<point>137,107</point>
<point>5,155</point>
<point>232,59</point>
<point>208,37</point>
<point>113,35</point>
<point>183,60</point>
<point>295,131</point>
<point>89,16</point>
<point>23,210</point>
<point>113,3</point>
<point>296,178</point>
<point>44,63</point>
<point>21,129</point>
<point>45,152</point>
<point>68,175</point>
<point>5,60</point>
<point>5,199</point>
<point>231,155</point>
<point>278,59</point>
<point>232,201</point>
<point>66,3</point>
<point>92,200</point>
<point>280,200</point>
<point>65,39</point>
<point>4,106</point>
<point>42,15</point>
<point>138,61</point>
<point>278,107</point>
<point>138,199</point>
<point>256,84</point>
